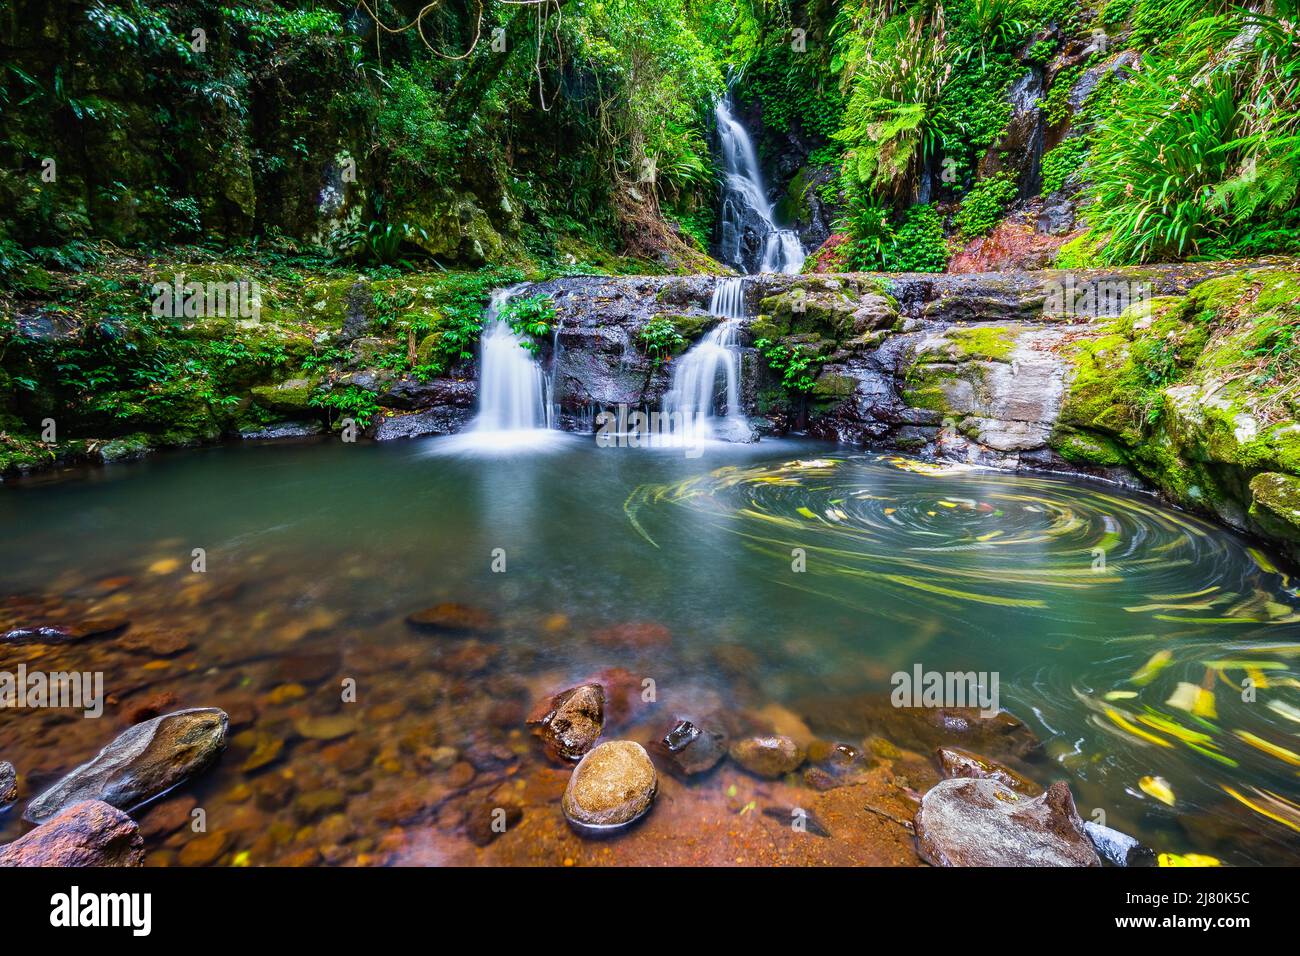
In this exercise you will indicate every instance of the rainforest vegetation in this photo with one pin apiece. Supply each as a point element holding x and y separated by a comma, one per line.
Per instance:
<point>436,151</point>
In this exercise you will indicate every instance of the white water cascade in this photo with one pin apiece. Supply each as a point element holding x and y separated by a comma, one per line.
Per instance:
<point>514,409</point>
<point>744,200</point>
<point>691,403</point>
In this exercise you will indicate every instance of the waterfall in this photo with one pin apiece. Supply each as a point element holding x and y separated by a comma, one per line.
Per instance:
<point>692,400</point>
<point>514,409</point>
<point>745,208</point>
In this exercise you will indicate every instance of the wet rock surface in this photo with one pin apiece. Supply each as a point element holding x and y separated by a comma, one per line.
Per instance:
<point>688,749</point>
<point>8,785</point>
<point>612,787</point>
<point>141,763</point>
<point>569,723</point>
<point>770,755</point>
<point>960,763</point>
<point>968,822</point>
<point>89,833</point>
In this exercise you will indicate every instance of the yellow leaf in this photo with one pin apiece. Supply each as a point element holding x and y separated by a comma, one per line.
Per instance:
<point>1159,788</point>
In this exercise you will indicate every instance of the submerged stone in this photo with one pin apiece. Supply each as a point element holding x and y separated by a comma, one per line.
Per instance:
<point>612,786</point>
<point>90,833</point>
<point>452,618</point>
<point>570,722</point>
<point>689,749</point>
<point>768,756</point>
<point>143,762</point>
<point>966,822</point>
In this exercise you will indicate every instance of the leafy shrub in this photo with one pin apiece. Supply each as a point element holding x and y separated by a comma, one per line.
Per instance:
<point>1063,163</point>
<point>983,206</point>
<point>661,338</point>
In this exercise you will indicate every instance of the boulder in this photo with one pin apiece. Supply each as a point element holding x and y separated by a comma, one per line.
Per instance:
<point>89,833</point>
<point>570,722</point>
<point>612,787</point>
<point>966,822</point>
<point>143,762</point>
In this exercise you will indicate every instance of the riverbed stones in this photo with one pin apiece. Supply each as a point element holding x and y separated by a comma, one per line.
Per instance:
<point>612,787</point>
<point>689,749</point>
<point>144,761</point>
<point>962,763</point>
<point>769,755</point>
<point>570,722</point>
<point>89,833</point>
<point>326,726</point>
<point>981,822</point>
<point>8,784</point>
<point>452,620</point>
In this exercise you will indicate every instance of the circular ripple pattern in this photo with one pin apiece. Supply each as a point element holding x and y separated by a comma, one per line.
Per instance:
<point>953,535</point>
<point>1153,652</point>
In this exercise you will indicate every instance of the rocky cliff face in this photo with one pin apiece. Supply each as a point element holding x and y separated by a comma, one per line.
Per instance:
<point>1144,376</point>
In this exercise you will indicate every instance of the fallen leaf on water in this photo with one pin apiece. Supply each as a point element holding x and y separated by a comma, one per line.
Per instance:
<point>1148,671</point>
<point>1187,859</point>
<point>1270,805</point>
<point>1270,748</point>
<point>1158,787</point>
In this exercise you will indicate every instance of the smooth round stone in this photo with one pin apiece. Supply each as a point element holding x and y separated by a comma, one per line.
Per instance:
<point>612,787</point>
<point>769,756</point>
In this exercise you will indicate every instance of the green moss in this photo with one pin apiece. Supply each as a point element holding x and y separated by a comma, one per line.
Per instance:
<point>293,396</point>
<point>975,343</point>
<point>1275,504</point>
<point>1083,448</point>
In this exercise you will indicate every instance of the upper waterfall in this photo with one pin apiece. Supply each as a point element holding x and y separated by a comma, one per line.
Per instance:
<point>747,223</point>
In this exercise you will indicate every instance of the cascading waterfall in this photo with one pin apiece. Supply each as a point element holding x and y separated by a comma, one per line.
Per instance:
<point>745,205</point>
<point>514,410</point>
<point>691,403</point>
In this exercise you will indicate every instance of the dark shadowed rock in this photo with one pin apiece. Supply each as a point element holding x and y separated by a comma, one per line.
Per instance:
<point>570,722</point>
<point>452,618</point>
<point>962,763</point>
<point>688,749</point>
<point>767,756</point>
<point>90,833</point>
<point>141,763</point>
<point>612,787</point>
<point>8,784</point>
<point>983,823</point>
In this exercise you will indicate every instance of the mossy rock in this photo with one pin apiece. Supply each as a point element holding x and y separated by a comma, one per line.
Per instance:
<point>127,448</point>
<point>833,387</point>
<point>1275,505</point>
<point>1083,448</point>
<point>292,397</point>
<point>994,343</point>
